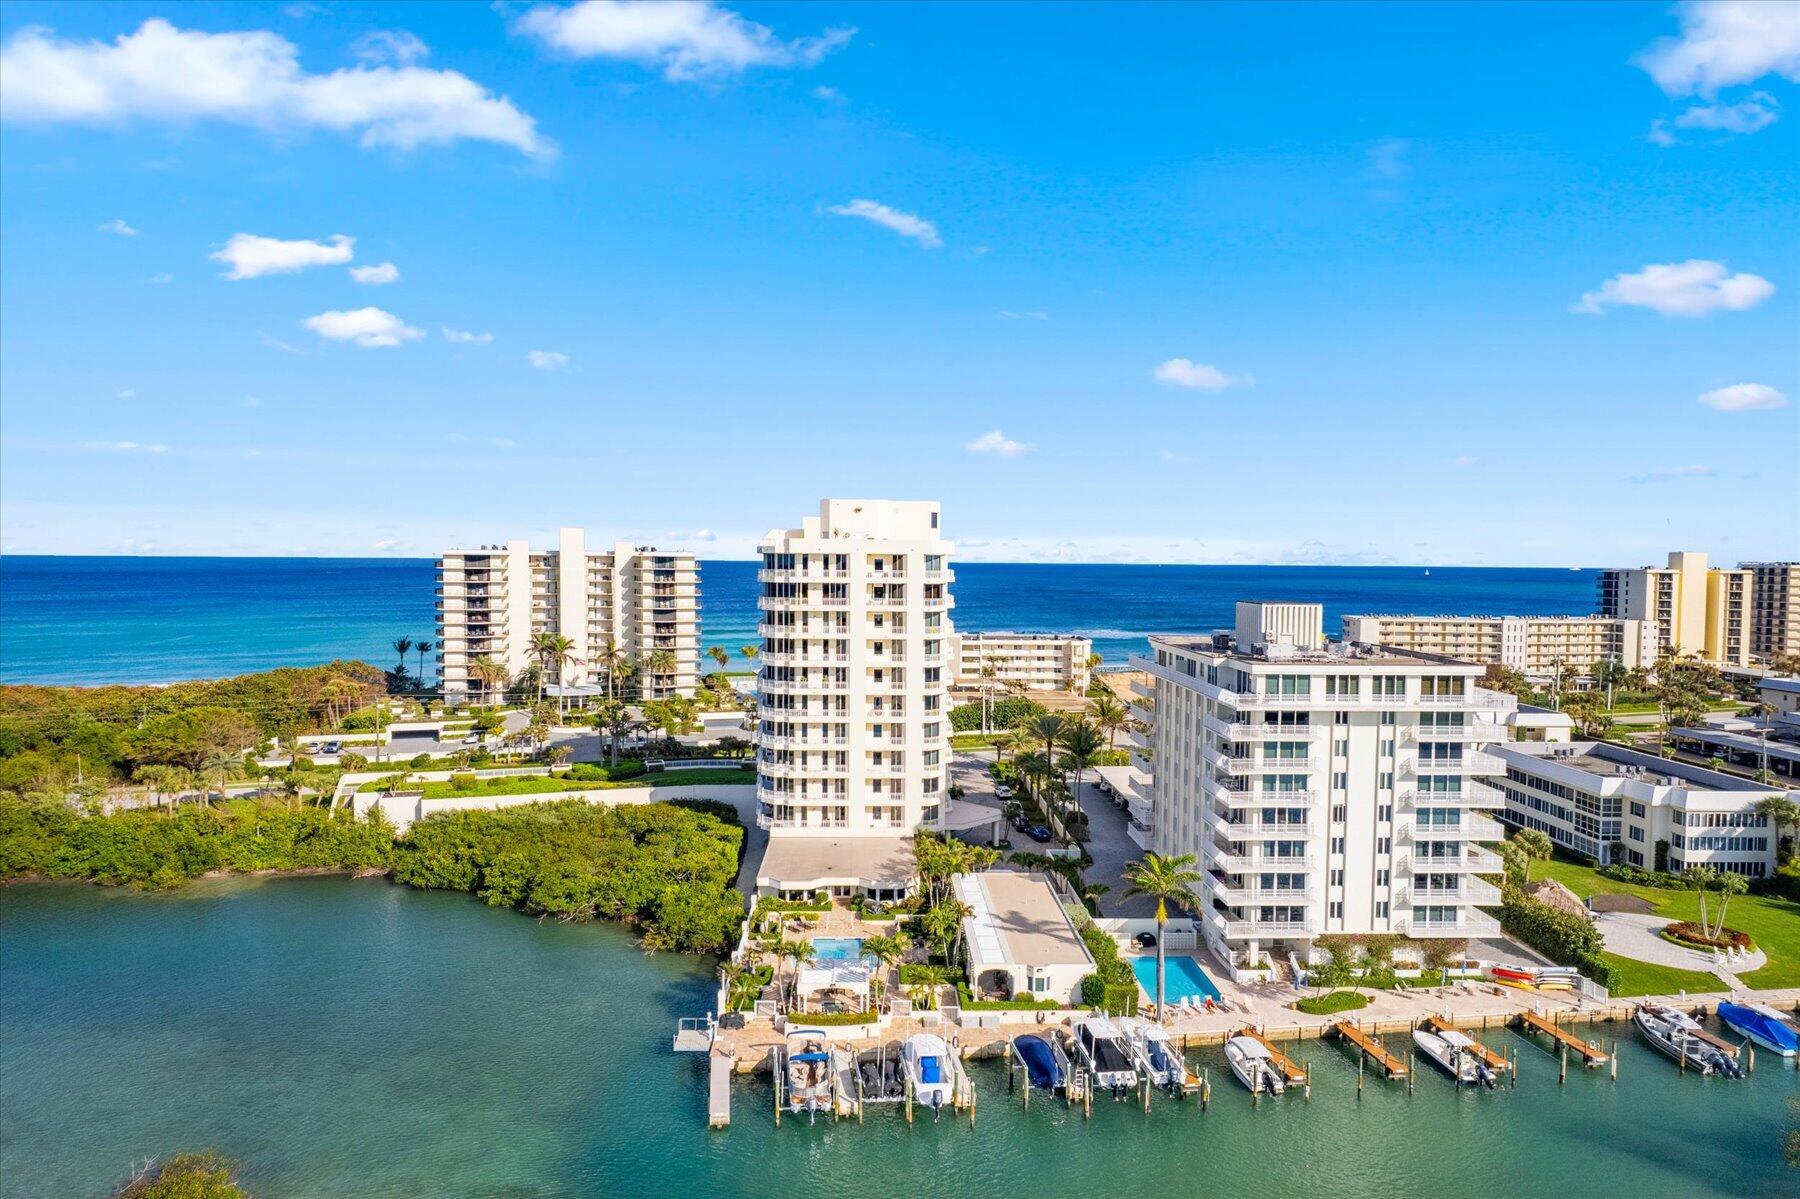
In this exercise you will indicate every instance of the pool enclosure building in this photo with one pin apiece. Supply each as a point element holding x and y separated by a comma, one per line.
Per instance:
<point>1022,941</point>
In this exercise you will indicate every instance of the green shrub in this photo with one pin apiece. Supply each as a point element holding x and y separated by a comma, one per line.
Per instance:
<point>419,761</point>
<point>462,780</point>
<point>1004,713</point>
<point>1561,936</point>
<point>829,1019</point>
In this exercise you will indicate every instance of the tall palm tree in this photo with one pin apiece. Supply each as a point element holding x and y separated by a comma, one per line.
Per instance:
<point>1536,846</point>
<point>422,648</point>
<point>612,660</point>
<point>989,672</point>
<point>1163,879</point>
<point>1781,813</point>
<point>659,662</point>
<point>721,655</point>
<point>552,650</point>
<point>1109,716</point>
<point>218,769</point>
<point>490,674</point>
<point>403,647</point>
<point>1047,727</point>
<point>1081,745</point>
<point>749,652</point>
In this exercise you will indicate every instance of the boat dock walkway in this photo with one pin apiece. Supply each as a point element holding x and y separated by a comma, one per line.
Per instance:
<point>718,1089</point>
<point>1493,1061</point>
<point>1290,1069</point>
<point>1371,1046</point>
<point>1591,1054</point>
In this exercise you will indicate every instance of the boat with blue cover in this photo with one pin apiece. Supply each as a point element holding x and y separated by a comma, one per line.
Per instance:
<point>1045,1068</point>
<point>1763,1025</point>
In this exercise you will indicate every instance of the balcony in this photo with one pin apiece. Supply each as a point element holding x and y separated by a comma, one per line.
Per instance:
<point>1251,764</point>
<point>1471,827</point>
<point>795,603</point>
<point>807,687</point>
<point>1470,861</point>
<point>1473,763</point>
<point>1266,928</point>
<point>1268,799</point>
<point>1473,795</point>
<point>788,770</point>
<point>1254,863</point>
<point>1472,924</point>
<point>1231,730</point>
<point>1473,891</point>
<point>1464,733</point>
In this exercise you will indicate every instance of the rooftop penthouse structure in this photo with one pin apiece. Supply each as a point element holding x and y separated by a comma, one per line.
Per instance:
<point>1615,804</point>
<point>1323,787</point>
<point>627,604</point>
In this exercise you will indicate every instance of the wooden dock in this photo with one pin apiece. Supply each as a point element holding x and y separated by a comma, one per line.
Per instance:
<point>718,1090</point>
<point>1290,1069</point>
<point>1493,1061</point>
<point>1371,1047</point>
<point>1590,1053</point>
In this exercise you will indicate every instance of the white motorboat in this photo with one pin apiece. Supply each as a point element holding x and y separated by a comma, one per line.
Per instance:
<point>1249,1060</point>
<point>1102,1050</point>
<point>807,1070</point>
<point>926,1060</point>
<point>1675,1033</point>
<point>1154,1054</point>
<point>1456,1055</point>
<point>1762,1024</point>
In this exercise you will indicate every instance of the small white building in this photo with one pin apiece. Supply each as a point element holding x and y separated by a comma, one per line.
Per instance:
<point>1021,940</point>
<point>1589,797</point>
<point>1035,661</point>
<point>1780,693</point>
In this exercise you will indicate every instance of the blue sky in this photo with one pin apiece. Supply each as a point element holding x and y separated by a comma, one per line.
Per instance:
<point>1422,284</point>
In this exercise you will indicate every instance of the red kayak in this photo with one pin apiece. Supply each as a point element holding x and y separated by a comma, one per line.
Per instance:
<point>1524,976</point>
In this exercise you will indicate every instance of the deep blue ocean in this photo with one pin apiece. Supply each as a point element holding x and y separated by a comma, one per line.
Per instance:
<point>156,620</point>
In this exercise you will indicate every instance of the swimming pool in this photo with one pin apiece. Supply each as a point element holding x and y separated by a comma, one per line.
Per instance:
<point>837,949</point>
<point>1182,978</point>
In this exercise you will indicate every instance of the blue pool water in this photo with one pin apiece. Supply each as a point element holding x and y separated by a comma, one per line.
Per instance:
<point>837,949</point>
<point>1182,978</point>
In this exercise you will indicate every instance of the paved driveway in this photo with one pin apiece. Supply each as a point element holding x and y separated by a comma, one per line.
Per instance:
<point>1112,849</point>
<point>1633,935</point>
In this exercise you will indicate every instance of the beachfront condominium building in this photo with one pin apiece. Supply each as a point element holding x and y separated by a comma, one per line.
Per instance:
<point>629,604</point>
<point>1618,805</point>
<point>1696,610</point>
<point>1032,661</point>
<point>1323,788</point>
<point>1537,646</point>
<point>1774,609</point>
<point>854,685</point>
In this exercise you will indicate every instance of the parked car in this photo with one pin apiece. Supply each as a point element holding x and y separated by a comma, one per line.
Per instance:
<point>472,739</point>
<point>1038,832</point>
<point>331,747</point>
<point>1021,822</point>
<point>1003,791</point>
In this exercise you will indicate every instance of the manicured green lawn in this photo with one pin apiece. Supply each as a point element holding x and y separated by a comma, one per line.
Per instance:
<point>1332,1003</point>
<point>1774,924</point>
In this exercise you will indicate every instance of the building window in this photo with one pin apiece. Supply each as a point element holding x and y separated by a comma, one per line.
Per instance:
<point>1337,909</point>
<point>1337,876</point>
<point>1337,845</point>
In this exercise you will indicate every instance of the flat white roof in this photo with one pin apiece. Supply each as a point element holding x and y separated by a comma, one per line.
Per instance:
<point>814,861</point>
<point>1017,921</point>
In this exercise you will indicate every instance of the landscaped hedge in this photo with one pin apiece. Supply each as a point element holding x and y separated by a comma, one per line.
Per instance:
<point>826,1019</point>
<point>1689,932</point>
<point>1622,873</point>
<point>1331,1004</point>
<point>1112,986</point>
<point>1561,936</point>
<point>1004,714</point>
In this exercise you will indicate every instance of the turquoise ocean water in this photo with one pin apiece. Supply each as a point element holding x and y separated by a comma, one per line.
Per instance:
<point>356,1039</point>
<point>94,620</point>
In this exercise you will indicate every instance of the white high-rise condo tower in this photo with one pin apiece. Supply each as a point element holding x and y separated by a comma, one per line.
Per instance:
<point>854,736</point>
<point>630,604</point>
<point>1323,788</point>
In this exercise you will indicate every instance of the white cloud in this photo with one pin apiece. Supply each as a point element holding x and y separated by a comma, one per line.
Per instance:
<point>249,255</point>
<point>119,227</point>
<point>687,39</point>
<point>829,95</point>
<point>1744,397</point>
<point>466,338</point>
<point>1659,135</point>
<point>1033,315</point>
<point>1724,43</point>
<point>1692,288</point>
<point>386,543</point>
<point>397,46</point>
<point>127,447</point>
<point>369,328</point>
<point>903,223</point>
<point>374,276</point>
<point>251,78</point>
<point>1185,372</point>
<point>1746,116</point>
<point>547,360</point>
<point>162,277</point>
<point>996,442</point>
<point>1388,157</point>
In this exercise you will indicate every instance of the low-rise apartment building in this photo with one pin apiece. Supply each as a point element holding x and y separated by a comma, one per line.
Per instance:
<point>1615,804</point>
<point>1034,661</point>
<point>1696,609</point>
<point>627,604</point>
<point>1323,788</point>
<point>1537,646</point>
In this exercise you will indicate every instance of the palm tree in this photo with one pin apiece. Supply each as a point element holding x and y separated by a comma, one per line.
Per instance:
<point>658,663</point>
<point>1781,813</point>
<point>218,769</point>
<point>402,647</point>
<point>1537,847</point>
<point>612,660</point>
<point>989,672</point>
<point>927,981</point>
<point>1163,879</point>
<point>1109,716</point>
<point>721,655</point>
<point>422,648</point>
<point>1081,743</point>
<point>1047,727</point>
<point>551,651</point>
<point>749,652</point>
<point>490,674</point>
<point>1012,743</point>
<point>886,950</point>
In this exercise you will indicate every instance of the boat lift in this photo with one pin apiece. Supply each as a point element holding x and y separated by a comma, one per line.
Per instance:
<point>1493,1060</point>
